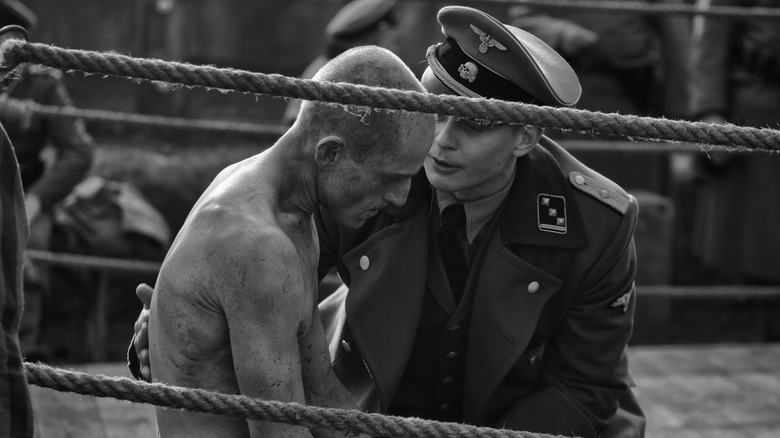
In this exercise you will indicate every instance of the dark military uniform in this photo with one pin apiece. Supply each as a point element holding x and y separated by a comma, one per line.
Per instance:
<point>16,417</point>
<point>538,342</point>
<point>30,134</point>
<point>736,75</point>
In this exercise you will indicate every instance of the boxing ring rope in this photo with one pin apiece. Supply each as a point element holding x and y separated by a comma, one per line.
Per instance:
<point>15,52</point>
<point>200,400</point>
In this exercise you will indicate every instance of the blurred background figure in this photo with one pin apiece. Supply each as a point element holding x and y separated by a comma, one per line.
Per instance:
<point>735,77</point>
<point>16,415</point>
<point>628,63</point>
<point>54,155</point>
<point>359,23</point>
<point>631,64</point>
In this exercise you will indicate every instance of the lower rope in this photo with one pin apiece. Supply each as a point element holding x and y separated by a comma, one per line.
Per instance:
<point>200,400</point>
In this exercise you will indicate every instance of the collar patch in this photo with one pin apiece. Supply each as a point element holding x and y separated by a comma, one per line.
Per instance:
<point>551,213</point>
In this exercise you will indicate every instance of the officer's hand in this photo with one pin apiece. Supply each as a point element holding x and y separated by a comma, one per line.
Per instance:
<point>575,39</point>
<point>141,340</point>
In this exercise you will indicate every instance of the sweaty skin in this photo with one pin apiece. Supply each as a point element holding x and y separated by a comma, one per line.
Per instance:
<point>234,308</point>
<point>236,294</point>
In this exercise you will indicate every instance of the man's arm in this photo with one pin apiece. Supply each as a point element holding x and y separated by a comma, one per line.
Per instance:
<point>321,385</point>
<point>265,306</point>
<point>75,149</point>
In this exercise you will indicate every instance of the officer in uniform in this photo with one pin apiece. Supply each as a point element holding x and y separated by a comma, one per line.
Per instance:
<point>359,23</point>
<point>502,293</point>
<point>47,179</point>
<point>526,326</point>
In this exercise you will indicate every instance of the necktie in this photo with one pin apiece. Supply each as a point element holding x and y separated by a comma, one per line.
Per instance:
<point>453,221</point>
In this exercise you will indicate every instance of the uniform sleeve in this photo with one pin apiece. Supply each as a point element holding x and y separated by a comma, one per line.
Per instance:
<point>709,62</point>
<point>74,150</point>
<point>16,415</point>
<point>585,366</point>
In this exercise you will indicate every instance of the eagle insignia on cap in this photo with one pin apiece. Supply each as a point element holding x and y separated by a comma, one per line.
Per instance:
<point>468,71</point>
<point>487,41</point>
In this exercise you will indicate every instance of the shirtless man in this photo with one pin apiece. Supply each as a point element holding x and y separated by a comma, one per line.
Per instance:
<point>235,304</point>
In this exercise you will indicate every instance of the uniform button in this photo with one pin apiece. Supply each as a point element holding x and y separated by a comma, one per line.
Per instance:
<point>455,327</point>
<point>579,179</point>
<point>448,379</point>
<point>364,263</point>
<point>533,287</point>
<point>604,193</point>
<point>445,406</point>
<point>346,345</point>
<point>453,355</point>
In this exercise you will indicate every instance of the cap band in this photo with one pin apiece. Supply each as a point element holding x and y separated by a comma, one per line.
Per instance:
<point>465,76</point>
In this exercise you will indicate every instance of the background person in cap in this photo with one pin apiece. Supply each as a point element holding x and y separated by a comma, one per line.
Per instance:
<point>519,316</point>
<point>735,77</point>
<point>359,23</point>
<point>47,177</point>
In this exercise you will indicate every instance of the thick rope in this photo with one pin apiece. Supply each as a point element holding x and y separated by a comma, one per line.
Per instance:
<point>93,262</point>
<point>635,7</point>
<point>218,126</point>
<point>14,52</point>
<point>199,400</point>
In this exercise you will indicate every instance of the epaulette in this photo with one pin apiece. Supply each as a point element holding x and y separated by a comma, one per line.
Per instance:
<point>42,70</point>
<point>602,189</point>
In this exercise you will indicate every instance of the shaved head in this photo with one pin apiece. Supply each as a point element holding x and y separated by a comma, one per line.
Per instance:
<point>366,130</point>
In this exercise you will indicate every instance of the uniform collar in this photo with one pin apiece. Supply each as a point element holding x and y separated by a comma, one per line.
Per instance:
<point>541,196</point>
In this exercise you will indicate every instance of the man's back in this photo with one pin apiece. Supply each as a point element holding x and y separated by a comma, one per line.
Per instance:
<point>241,264</point>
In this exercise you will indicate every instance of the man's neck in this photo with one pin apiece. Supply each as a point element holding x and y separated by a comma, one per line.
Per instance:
<point>488,188</point>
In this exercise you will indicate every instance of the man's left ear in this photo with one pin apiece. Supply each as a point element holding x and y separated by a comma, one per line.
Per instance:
<point>329,150</point>
<point>527,140</point>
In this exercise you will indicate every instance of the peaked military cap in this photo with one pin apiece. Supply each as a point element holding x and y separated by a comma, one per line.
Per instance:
<point>481,57</point>
<point>14,12</point>
<point>359,16</point>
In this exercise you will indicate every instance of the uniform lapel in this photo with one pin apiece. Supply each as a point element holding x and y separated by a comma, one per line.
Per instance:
<point>512,292</point>
<point>505,311</point>
<point>383,315</point>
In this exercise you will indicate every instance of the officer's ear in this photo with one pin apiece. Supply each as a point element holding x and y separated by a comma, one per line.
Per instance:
<point>527,139</point>
<point>329,151</point>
